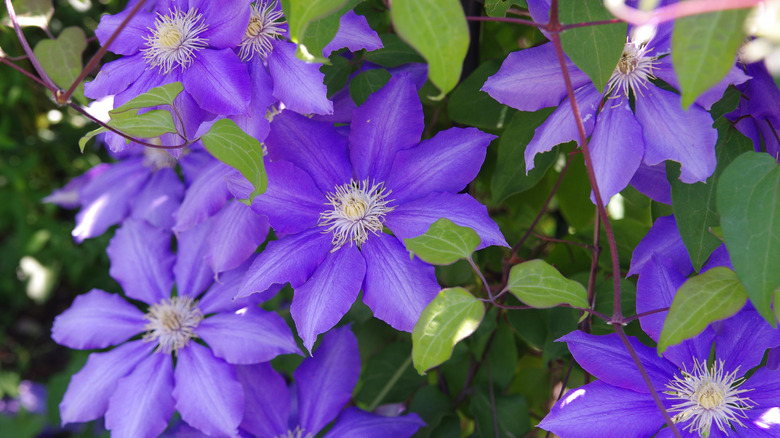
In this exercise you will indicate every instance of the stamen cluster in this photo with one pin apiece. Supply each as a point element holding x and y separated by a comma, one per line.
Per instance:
<point>172,323</point>
<point>633,71</point>
<point>358,208</point>
<point>265,25</point>
<point>175,39</point>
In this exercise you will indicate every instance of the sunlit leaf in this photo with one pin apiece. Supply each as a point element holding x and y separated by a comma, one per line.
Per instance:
<point>453,315</point>
<point>31,13</point>
<point>538,284</point>
<point>444,243</point>
<point>163,95</point>
<point>498,8</point>
<point>231,145</point>
<point>313,24</point>
<point>147,125</point>
<point>701,300</point>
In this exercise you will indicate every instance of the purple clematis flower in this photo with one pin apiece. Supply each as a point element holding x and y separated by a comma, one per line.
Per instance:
<point>136,385</point>
<point>623,138</point>
<point>757,116</point>
<point>331,197</point>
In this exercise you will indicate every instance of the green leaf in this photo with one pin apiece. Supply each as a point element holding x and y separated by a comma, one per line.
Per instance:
<point>498,8</point>
<point>510,177</point>
<point>336,74</point>
<point>727,103</point>
<point>701,300</point>
<point>61,59</point>
<point>88,136</point>
<point>438,30</point>
<point>703,49</point>
<point>538,284</point>
<point>313,24</point>
<point>694,205</point>
<point>749,206</point>
<point>163,95</point>
<point>388,378</point>
<point>471,106</point>
<point>595,50</point>
<point>511,414</point>
<point>31,13</point>
<point>147,125</point>
<point>234,147</point>
<point>453,315</point>
<point>394,52</point>
<point>444,243</point>
<point>366,83</point>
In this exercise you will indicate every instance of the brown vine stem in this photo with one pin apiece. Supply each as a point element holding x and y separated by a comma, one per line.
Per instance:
<point>631,15</point>
<point>554,26</point>
<point>64,97</point>
<point>47,82</point>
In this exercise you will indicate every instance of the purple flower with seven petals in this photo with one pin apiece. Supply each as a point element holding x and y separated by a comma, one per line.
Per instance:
<point>136,385</point>
<point>331,197</point>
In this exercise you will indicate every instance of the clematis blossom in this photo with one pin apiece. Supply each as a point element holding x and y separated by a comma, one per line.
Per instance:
<point>136,385</point>
<point>331,198</point>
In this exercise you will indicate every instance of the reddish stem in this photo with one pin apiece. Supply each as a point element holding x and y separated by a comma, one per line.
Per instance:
<point>631,15</point>
<point>46,80</point>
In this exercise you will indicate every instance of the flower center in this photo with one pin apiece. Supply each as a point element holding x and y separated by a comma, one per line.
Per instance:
<point>158,159</point>
<point>175,39</point>
<point>172,323</point>
<point>707,395</point>
<point>265,25</point>
<point>296,433</point>
<point>358,208</point>
<point>633,70</point>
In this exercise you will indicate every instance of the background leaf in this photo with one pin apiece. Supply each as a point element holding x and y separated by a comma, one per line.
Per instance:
<point>234,147</point>
<point>471,106</point>
<point>595,50</point>
<point>444,243</point>
<point>364,84</point>
<point>701,300</point>
<point>749,207</point>
<point>538,284</point>
<point>453,315</point>
<point>313,24</point>
<point>437,29</point>
<point>61,59</point>
<point>703,49</point>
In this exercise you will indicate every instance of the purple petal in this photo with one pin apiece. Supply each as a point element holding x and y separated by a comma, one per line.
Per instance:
<point>616,149</point>
<point>531,79</point>
<point>227,21</point>
<point>236,232</point>
<point>651,181</point>
<point>142,261</point>
<point>142,403</point>
<point>735,76</point>
<point>608,360</point>
<point>413,218</point>
<point>218,81</point>
<point>655,289</point>
<point>581,413</point>
<point>390,120</point>
<point>321,302</point>
<point>326,380</point>
<point>219,297</point>
<point>267,400</point>
<point>743,339</point>
<point>105,199</point>
<point>355,34</point>
<point>298,84</point>
<point>396,288</point>
<point>766,384</point>
<point>206,195</point>
<point>673,134</point>
<point>291,259</point>
<point>192,275</point>
<point>208,395</point>
<point>68,196</point>
<point>356,423</point>
<point>663,239</point>
<point>116,76</point>
<point>313,146</point>
<point>159,199</point>
<point>247,336</point>
<point>291,202</point>
<point>90,389</point>
<point>97,319</point>
<point>445,163</point>
<point>560,127</point>
<point>133,36</point>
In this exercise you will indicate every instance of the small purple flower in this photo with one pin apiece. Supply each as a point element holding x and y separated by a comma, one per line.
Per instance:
<point>758,116</point>
<point>136,385</point>
<point>330,197</point>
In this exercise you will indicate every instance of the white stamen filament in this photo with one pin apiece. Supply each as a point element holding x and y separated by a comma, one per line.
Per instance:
<point>357,210</point>
<point>172,323</point>
<point>265,25</point>
<point>707,395</point>
<point>175,39</point>
<point>296,433</point>
<point>633,71</point>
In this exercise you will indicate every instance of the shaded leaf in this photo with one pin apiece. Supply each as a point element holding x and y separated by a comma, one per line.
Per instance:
<point>703,49</point>
<point>701,300</point>
<point>748,197</point>
<point>313,24</point>
<point>61,58</point>
<point>88,136</point>
<point>471,106</point>
<point>498,8</point>
<point>538,284</point>
<point>453,315</point>
<point>234,147</point>
<point>437,29</point>
<point>595,50</point>
<point>31,13</point>
<point>394,52</point>
<point>444,243</point>
<point>366,83</point>
<point>511,414</point>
